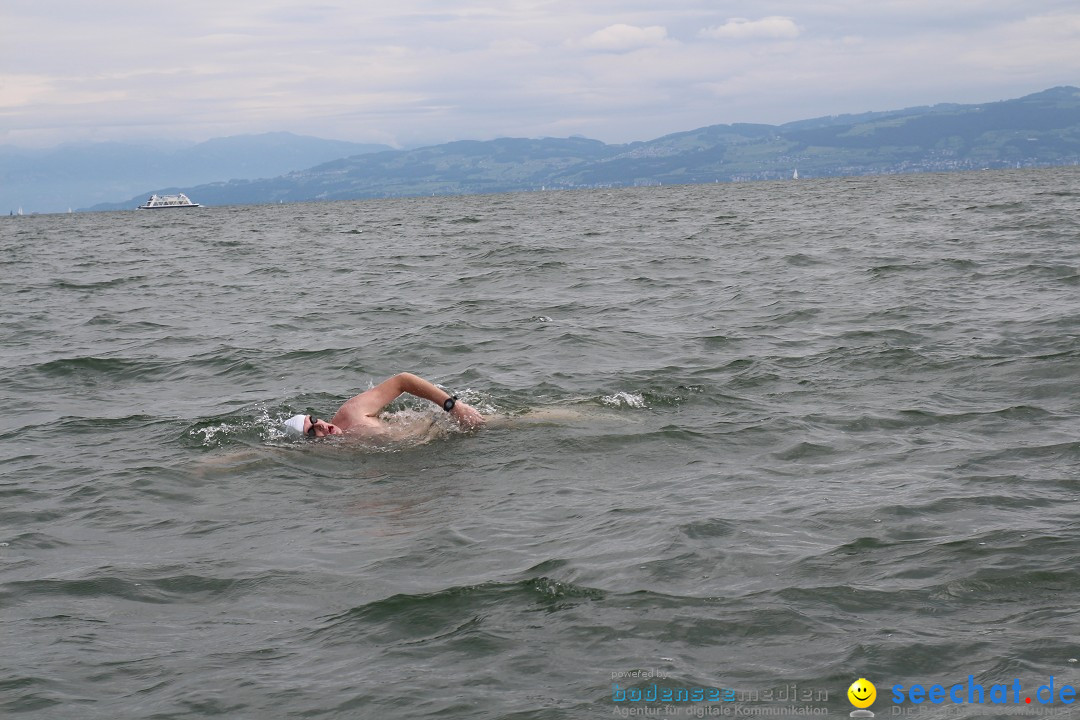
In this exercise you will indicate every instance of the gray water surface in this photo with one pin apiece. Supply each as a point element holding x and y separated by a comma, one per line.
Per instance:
<point>797,433</point>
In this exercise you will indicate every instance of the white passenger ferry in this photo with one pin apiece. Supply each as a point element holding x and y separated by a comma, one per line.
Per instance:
<point>157,202</point>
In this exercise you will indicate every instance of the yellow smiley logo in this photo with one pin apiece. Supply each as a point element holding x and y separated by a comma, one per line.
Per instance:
<point>862,693</point>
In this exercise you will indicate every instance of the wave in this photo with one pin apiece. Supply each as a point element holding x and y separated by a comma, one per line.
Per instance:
<point>97,284</point>
<point>444,613</point>
<point>165,586</point>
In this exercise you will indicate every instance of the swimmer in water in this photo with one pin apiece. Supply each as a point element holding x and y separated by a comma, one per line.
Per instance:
<point>359,416</point>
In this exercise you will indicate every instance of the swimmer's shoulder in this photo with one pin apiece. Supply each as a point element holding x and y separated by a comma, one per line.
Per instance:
<point>350,417</point>
<point>365,427</point>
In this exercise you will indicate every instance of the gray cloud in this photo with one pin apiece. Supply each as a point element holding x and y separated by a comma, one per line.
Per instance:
<point>771,27</point>
<point>622,37</point>
<point>425,71</point>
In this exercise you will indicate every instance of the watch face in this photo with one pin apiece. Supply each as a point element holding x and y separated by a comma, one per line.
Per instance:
<point>448,404</point>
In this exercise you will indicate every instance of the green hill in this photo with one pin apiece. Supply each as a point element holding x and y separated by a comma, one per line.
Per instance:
<point>1042,129</point>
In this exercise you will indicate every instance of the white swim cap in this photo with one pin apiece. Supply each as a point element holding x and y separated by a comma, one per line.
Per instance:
<point>295,425</point>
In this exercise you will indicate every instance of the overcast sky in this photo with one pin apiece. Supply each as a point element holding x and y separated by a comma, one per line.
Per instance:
<point>409,72</point>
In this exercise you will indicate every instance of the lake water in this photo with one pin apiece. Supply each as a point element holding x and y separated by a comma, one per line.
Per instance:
<point>790,434</point>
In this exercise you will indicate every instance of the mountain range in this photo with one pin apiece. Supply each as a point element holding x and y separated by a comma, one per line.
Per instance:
<point>1041,129</point>
<point>74,175</point>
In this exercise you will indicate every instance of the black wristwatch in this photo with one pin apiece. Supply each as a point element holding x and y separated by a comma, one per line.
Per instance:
<point>448,404</point>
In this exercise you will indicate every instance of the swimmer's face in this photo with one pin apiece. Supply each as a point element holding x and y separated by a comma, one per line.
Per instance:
<point>316,428</point>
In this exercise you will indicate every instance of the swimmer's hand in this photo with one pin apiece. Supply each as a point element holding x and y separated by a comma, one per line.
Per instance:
<point>468,417</point>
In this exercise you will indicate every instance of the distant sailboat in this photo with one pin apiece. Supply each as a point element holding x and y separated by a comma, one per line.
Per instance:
<point>795,175</point>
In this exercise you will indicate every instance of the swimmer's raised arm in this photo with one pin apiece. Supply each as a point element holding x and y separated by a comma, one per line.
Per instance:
<point>465,415</point>
<point>365,407</point>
